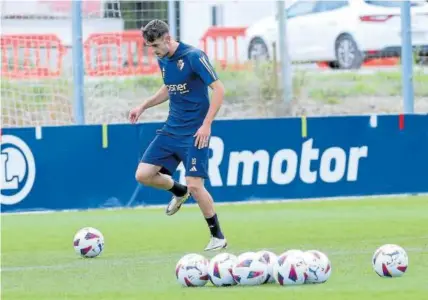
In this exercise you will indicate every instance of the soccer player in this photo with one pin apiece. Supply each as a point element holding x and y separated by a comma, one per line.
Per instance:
<point>185,135</point>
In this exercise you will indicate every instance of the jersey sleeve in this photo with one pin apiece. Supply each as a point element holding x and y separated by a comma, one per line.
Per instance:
<point>162,69</point>
<point>202,67</point>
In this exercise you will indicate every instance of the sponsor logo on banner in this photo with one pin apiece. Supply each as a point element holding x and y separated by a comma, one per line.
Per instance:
<point>18,170</point>
<point>284,166</point>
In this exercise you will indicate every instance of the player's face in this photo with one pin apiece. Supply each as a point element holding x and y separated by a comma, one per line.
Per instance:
<point>161,46</point>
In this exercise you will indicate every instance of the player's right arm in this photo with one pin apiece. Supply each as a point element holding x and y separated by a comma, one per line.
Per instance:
<point>159,97</point>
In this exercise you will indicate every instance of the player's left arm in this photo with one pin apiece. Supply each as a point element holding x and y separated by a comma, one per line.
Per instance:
<point>216,101</point>
<point>202,66</point>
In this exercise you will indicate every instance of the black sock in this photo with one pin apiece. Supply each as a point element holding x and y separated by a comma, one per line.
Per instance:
<point>214,226</point>
<point>178,189</point>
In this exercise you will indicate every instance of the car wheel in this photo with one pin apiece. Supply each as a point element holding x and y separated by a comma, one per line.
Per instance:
<point>258,50</point>
<point>348,56</point>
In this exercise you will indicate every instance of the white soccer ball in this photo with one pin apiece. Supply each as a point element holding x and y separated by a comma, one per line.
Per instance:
<point>319,266</point>
<point>250,269</point>
<point>88,242</point>
<point>286,253</point>
<point>293,252</point>
<point>192,270</point>
<point>390,261</point>
<point>270,258</point>
<point>245,255</point>
<point>290,269</point>
<point>220,269</point>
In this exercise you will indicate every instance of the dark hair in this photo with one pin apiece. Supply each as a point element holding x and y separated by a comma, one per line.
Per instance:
<point>154,30</point>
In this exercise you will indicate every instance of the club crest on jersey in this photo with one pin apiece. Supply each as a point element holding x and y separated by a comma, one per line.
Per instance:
<point>180,64</point>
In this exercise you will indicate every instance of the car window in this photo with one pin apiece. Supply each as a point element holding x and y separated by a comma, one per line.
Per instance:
<point>394,3</point>
<point>330,5</point>
<point>301,8</point>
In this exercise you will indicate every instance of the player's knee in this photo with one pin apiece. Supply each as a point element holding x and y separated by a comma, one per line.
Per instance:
<point>195,185</point>
<point>143,177</point>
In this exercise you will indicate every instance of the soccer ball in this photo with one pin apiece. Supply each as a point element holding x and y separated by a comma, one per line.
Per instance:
<point>286,253</point>
<point>290,269</point>
<point>293,252</point>
<point>88,242</point>
<point>220,269</point>
<point>390,261</point>
<point>250,269</point>
<point>319,266</point>
<point>270,259</point>
<point>245,255</point>
<point>192,270</point>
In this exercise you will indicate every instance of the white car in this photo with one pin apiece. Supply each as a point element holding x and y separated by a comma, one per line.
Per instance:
<point>343,33</point>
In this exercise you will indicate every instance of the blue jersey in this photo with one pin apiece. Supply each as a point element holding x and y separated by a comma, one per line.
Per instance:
<point>187,75</point>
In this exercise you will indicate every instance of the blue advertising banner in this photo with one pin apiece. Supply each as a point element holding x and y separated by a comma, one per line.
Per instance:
<point>81,167</point>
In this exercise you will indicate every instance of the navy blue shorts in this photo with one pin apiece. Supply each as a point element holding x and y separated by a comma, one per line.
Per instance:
<point>168,151</point>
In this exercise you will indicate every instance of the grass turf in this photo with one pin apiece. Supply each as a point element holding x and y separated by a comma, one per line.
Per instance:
<point>143,246</point>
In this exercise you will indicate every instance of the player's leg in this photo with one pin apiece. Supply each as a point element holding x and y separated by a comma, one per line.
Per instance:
<point>157,163</point>
<point>198,191</point>
<point>181,194</point>
<point>196,173</point>
<point>150,175</point>
<point>206,204</point>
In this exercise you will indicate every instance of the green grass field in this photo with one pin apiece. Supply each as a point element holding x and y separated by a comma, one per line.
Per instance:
<point>143,246</point>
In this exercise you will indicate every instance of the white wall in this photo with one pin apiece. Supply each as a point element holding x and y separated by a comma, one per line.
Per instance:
<point>196,17</point>
<point>90,8</point>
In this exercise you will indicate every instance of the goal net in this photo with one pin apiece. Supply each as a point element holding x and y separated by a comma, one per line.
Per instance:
<point>37,60</point>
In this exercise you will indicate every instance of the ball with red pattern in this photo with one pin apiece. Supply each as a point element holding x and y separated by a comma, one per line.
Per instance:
<point>270,258</point>
<point>250,269</point>
<point>319,266</point>
<point>88,242</point>
<point>390,261</point>
<point>220,269</point>
<point>290,269</point>
<point>244,255</point>
<point>192,270</point>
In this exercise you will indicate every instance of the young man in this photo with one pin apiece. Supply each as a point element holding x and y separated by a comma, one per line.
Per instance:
<point>185,135</point>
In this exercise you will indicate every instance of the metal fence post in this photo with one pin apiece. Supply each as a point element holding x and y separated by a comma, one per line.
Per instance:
<point>286,72</point>
<point>407,57</point>
<point>78,64</point>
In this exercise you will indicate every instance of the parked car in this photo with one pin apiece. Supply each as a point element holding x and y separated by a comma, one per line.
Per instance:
<point>343,33</point>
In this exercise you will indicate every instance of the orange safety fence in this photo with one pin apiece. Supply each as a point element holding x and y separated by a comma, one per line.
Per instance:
<point>31,55</point>
<point>26,56</point>
<point>118,54</point>
<point>222,35</point>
